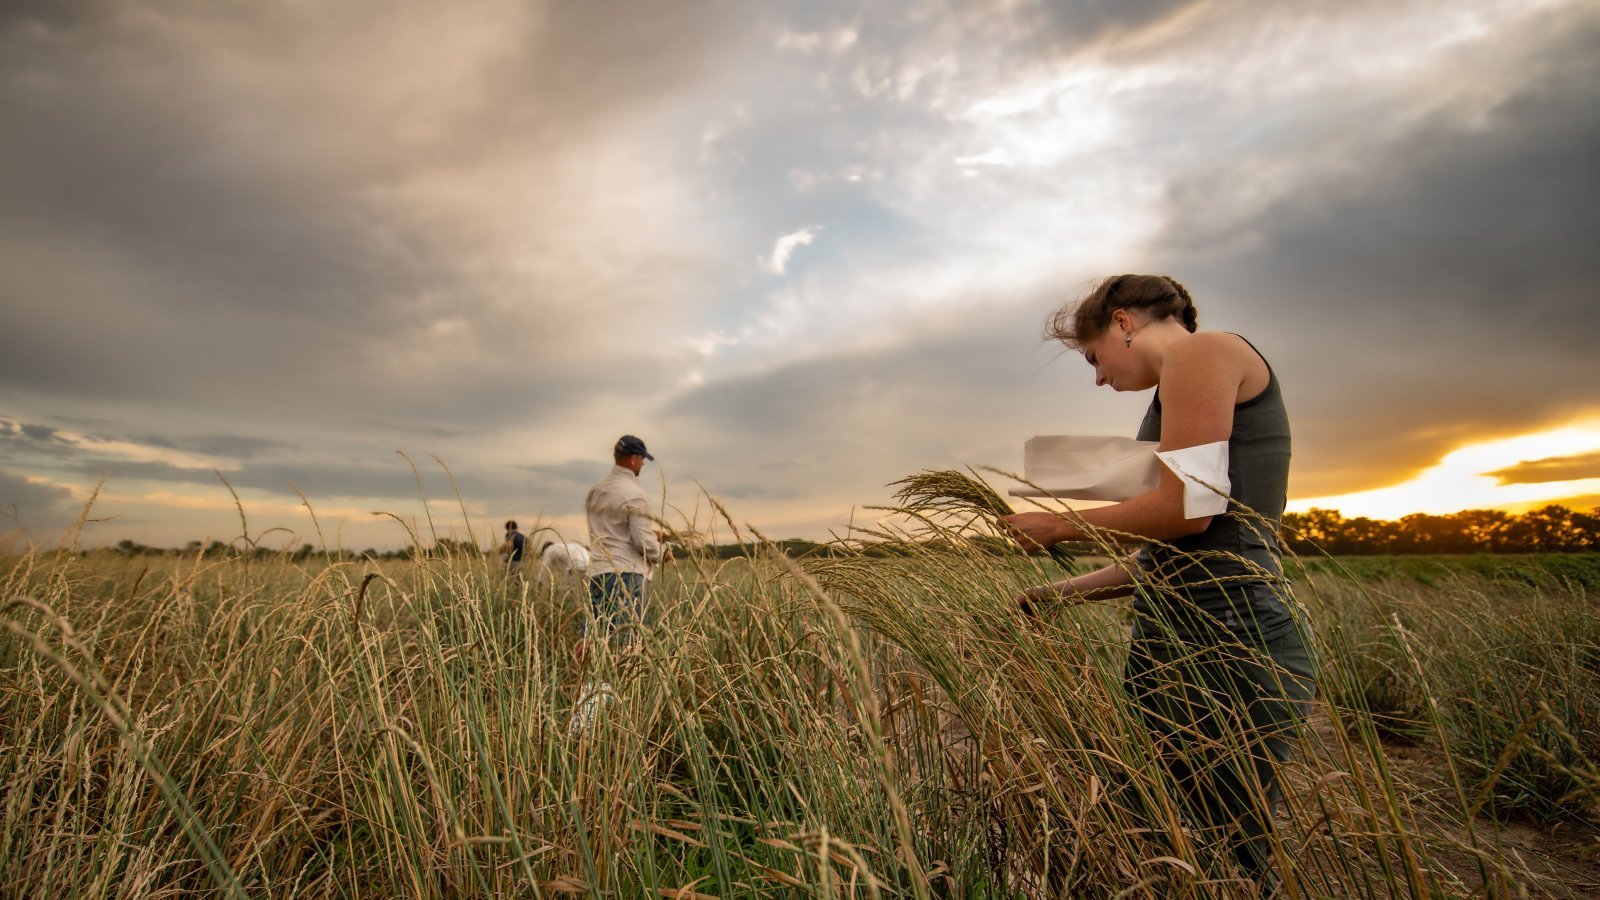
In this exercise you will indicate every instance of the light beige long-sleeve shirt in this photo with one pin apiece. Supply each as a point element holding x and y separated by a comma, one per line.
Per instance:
<point>621,536</point>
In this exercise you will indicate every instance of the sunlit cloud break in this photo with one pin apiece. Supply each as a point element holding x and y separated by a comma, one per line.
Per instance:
<point>1471,478</point>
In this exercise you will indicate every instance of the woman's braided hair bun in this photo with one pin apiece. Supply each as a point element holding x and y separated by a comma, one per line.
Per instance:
<point>1157,297</point>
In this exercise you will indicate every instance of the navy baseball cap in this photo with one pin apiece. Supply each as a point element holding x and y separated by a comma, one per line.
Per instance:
<point>628,445</point>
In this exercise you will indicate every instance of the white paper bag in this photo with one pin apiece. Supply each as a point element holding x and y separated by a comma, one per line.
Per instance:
<point>1092,467</point>
<point>1204,471</point>
<point>1088,467</point>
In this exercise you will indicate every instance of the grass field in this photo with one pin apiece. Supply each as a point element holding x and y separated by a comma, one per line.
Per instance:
<point>853,726</point>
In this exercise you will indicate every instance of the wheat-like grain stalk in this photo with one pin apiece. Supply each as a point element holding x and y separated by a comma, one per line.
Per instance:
<point>953,493</point>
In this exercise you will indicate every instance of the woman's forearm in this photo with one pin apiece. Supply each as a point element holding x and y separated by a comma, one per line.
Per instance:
<point>1105,583</point>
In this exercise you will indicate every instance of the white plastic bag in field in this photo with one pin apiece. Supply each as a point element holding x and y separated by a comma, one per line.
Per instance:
<point>1095,467</point>
<point>591,703</point>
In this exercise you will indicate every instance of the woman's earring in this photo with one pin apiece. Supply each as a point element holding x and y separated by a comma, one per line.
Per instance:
<point>1127,340</point>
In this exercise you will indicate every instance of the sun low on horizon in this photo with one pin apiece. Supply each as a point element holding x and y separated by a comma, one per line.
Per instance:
<point>1515,474</point>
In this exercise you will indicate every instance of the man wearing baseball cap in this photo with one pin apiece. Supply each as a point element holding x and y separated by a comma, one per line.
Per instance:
<point>622,542</point>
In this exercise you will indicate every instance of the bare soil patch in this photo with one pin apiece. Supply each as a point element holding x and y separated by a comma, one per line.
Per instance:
<point>1561,861</point>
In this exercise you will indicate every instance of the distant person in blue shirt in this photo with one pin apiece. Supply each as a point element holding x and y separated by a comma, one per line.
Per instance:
<point>515,546</point>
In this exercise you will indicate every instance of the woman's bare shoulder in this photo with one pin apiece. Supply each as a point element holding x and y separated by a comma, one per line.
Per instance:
<point>1222,358</point>
<point>1218,340</point>
<point>1214,347</point>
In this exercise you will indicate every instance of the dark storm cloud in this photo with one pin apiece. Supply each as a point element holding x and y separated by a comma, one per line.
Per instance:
<point>226,445</point>
<point>49,440</point>
<point>32,505</point>
<point>124,469</point>
<point>1068,24</point>
<point>314,479</point>
<point>140,168</point>
<point>384,484</point>
<point>19,439</point>
<point>385,481</point>
<point>263,465</point>
<point>41,434</point>
<point>1436,285</point>
<point>208,203</point>
<point>44,13</point>
<point>1025,32</point>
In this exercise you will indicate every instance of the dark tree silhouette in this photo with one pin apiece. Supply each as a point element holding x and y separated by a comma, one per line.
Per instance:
<point>1549,529</point>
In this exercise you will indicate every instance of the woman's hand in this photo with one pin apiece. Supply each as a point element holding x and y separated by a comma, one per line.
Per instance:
<point>1028,601</point>
<point>1036,531</point>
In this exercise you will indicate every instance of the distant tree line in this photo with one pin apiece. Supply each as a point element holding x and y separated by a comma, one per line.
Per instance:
<point>1549,529</point>
<point>443,547</point>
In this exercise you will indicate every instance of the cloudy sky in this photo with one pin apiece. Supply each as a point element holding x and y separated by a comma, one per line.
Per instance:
<point>802,248</point>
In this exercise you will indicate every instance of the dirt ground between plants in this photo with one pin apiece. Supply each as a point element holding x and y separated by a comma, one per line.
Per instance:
<point>1548,862</point>
<point>1559,862</point>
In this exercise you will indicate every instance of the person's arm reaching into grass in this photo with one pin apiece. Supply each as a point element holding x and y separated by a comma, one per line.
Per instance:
<point>1106,583</point>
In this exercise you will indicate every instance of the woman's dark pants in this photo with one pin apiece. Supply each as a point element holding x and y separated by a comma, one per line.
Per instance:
<point>1223,716</point>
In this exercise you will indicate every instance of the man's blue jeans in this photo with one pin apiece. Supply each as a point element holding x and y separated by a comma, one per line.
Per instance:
<point>617,601</point>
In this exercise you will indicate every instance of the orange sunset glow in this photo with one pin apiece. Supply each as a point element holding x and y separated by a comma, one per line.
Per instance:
<point>1520,472</point>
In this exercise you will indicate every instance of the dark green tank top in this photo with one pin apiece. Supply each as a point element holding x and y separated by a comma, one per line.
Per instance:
<point>1230,575</point>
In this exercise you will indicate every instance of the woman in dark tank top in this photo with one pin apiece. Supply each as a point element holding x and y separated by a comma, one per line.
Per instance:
<point>1221,664</point>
